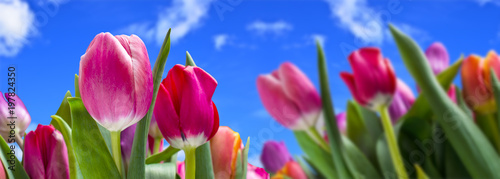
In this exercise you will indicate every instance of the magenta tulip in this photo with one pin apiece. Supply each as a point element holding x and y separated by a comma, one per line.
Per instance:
<point>181,169</point>
<point>45,154</point>
<point>274,156</point>
<point>116,82</point>
<point>290,97</point>
<point>254,172</point>
<point>184,110</point>
<point>373,82</point>
<point>12,129</point>
<point>342,122</point>
<point>402,101</point>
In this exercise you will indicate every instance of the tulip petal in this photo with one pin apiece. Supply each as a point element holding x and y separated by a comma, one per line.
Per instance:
<point>32,160</point>
<point>165,110</point>
<point>224,147</point>
<point>438,57</point>
<point>475,92</point>
<point>351,84</point>
<point>276,102</point>
<point>22,121</point>
<point>402,101</point>
<point>274,156</point>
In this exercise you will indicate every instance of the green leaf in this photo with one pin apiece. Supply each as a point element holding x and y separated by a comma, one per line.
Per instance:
<point>384,158</point>
<point>77,87</point>
<point>162,156</point>
<point>363,129</point>
<point>330,119</point>
<point>358,161</point>
<point>161,171</point>
<point>189,60</point>
<point>204,168</point>
<point>106,135</point>
<point>420,173</point>
<point>454,168</point>
<point>7,159</point>
<point>61,126</point>
<point>64,111</point>
<point>242,161</point>
<point>463,134</point>
<point>319,158</point>
<point>93,157</point>
<point>461,102</point>
<point>137,168</point>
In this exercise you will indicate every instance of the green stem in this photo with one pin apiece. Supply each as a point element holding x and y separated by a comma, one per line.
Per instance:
<point>116,148</point>
<point>156,146</point>
<point>392,143</point>
<point>314,134</point>
<point>190,163</point>
<point>489,126</point>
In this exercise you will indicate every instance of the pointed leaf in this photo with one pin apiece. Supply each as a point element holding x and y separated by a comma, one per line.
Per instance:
<point>319,158</point>
<point>162,156</point>
<point>61,126</point>
<point>64,111</point>
<point>17,170</point>
<point>204,168</point>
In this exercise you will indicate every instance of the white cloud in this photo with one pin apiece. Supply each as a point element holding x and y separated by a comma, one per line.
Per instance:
<point>484,2</point>
<point>182,16</point>
<point>357,17</point>
<point>307,40</point>
<point>320,38</point>
<point>220,40</point>
<point>16,25</point>
<point>275,28</point>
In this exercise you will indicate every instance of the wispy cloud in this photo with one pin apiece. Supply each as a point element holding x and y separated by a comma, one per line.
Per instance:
<point>273,28</point>
<point>182,16</point>
<point>484,2</point>
<point>16,26</point>
<point>307,40</point>
<point>360,19</point>
<point>220,40</point>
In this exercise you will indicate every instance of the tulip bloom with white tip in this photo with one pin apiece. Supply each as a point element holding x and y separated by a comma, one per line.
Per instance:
<point>45,154</point>
<point>290,97</point>
<point>22,120</point>
<point>184,110</point>
<point>116,82</point>
<point>373,81</point>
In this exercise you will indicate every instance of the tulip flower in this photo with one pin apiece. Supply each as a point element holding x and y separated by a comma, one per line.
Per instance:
<point>402,101</point>
<point>290,97</point>
<point>274,156</point>
<point>13,128</point>
<point>254,172</point>
<point>291,170</point>
<point>45,154</point>
<point>184,110</point>
<point>373,82</point>
<point>439,60</point>
<point>225,147</point>
<point>476,82</point>
<point>116,82</point>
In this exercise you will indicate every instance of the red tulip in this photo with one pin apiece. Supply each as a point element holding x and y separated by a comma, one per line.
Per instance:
<point>225,147</point>
<point>290,97</point>
<point>184,110</point>
<point>45,154</point>
<point>476,82</point>
<point>291,170</point>
<point>373,82</point>
<point>116,82</point>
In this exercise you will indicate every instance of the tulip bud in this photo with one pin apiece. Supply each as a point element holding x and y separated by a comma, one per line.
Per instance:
<point>373,82</point>
<point>274,156</point>
<point>478,92</point>
<point>291,170</point>
<point>225,147</point>
<point>184,110</point>
<point>45,154</point>
<point>254,172</point>
<point>290,97</point>
<point>438,57</point>
<point>402,101</point>
<point>19,124</point>
<point>116,82</point>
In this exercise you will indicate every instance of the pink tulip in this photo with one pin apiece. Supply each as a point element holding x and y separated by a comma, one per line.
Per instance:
<point>402,101</point>
<point>181,169</point>
<point>342,122</point>
<point>19,124</point>
<point>274,156</point>
<point>2,171</point>
<point>373,82</point>
<point>45,154</point>
<point>116,82</point>
<point>224,148</point>
<point>290,97</point>
<point>254,172</point>
<point>438,57</point>
<point>184,110</point>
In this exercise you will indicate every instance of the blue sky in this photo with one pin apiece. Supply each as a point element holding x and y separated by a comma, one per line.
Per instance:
<point>234,41</point>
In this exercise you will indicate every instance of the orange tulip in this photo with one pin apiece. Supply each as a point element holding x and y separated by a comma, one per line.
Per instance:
<point>225,147</point>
